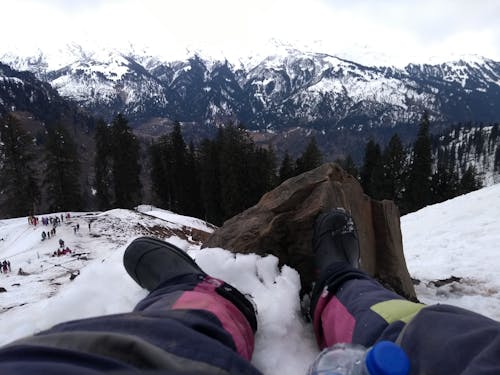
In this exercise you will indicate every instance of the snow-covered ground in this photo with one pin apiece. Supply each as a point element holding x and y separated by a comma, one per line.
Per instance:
<point>457,238</point>
<point>460,238</point>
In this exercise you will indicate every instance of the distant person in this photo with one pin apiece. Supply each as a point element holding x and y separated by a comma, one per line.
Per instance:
<point>192,323</point>
<point>61,243</point>
<point>21,273</point>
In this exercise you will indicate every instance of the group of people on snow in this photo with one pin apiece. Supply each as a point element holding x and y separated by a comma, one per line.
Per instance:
<point>48,234</point>
<point>60,252</point>
<point>5,266</point>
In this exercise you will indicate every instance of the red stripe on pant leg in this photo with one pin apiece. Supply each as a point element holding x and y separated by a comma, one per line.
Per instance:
<point>332,321</point>
<point>205,297</point>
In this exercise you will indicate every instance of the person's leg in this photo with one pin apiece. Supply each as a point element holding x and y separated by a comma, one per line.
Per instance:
<point>352,307</point>
<point>349,306</point>
<point>189,323</point>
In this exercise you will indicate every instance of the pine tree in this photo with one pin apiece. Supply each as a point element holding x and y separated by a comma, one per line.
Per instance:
<point>126,167</point>
<point>179,170</point>
<point>445,181</point>
<point>62,176</point>
<point>394,170</point>
<point>234,173</point>
<point>210,180</point>
<point>372,172</point>
<point>469,181</point>
<point>311,158</point>
<point>193,204</point>
<point>418,193</point>
<point>287,169</point>
<point>262,173</point>
<point>161,171</point>
<point>492,140</point>
<point>236,187</point>
<point>174,174</point>
<point>103,164</point>
<point>18,180</point>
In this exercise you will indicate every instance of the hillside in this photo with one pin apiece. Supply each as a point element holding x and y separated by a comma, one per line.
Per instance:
<point>458,238</point>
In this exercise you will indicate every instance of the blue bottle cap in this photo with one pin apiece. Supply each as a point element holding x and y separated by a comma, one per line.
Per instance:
<point>386,358</point>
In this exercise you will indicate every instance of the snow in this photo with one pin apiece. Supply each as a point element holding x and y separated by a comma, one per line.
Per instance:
<point>457,238</point>
<point>460,238</point>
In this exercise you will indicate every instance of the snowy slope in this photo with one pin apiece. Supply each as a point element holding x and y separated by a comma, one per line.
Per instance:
<point>461,238</point>
<point>456,238</point>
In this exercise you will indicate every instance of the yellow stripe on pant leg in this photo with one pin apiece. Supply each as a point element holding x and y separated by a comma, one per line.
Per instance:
<point>397,309</point>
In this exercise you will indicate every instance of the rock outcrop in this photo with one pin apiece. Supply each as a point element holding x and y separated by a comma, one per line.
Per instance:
<point>281,224</point>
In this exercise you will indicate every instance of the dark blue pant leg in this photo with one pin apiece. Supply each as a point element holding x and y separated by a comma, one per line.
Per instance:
<point>156,336</point>
<point>352,307</point>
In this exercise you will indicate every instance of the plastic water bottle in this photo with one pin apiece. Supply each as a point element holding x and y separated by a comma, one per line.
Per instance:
<point>384,358</point>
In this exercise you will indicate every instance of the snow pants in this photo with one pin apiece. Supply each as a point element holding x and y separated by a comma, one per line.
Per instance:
<point>438,339</point>
<point>185,326</point>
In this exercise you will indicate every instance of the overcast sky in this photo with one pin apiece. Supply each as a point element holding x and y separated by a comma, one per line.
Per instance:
<point>404,30</point>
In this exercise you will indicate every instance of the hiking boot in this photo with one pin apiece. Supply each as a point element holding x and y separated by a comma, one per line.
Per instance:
<point>150,261</point>
<point>335,239</point>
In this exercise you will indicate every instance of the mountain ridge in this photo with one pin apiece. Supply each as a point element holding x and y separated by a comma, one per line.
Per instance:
<point>291,88</point>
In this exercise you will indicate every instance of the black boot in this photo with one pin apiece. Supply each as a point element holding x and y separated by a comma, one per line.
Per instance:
<point>336,252</point>
<point>335,239</point>
<point>150,261</point>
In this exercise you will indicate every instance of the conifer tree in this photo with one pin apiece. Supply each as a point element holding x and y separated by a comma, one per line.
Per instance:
<point>161,171</point>
<point>174,174</point>
<point>394,169</point>
<point>445,182</point>
<point>287,169</point>
<point>103,164</point>
<point>372,172</point>
<point>469,181</point>
<point>262,173</point>
<point>180,173</point>
<point>234,159</point>
<point>193,204</point>
<point>62,171</point>
<point>126,167</point>
<point>311,158</point>
<point>418,193</point>
<point>18,179</point>
<point>234,173</point>
<point>210,180</point>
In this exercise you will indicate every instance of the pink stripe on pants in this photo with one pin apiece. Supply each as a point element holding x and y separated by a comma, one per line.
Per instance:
<point>332,321</point>
<point>205,297</point>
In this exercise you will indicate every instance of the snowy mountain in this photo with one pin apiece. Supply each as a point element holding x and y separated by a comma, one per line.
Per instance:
<point>470,146</point>
<point>288,88</point>
<point>450,248</point>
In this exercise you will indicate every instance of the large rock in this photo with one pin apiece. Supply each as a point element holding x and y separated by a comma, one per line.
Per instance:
<point>281,224</point>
